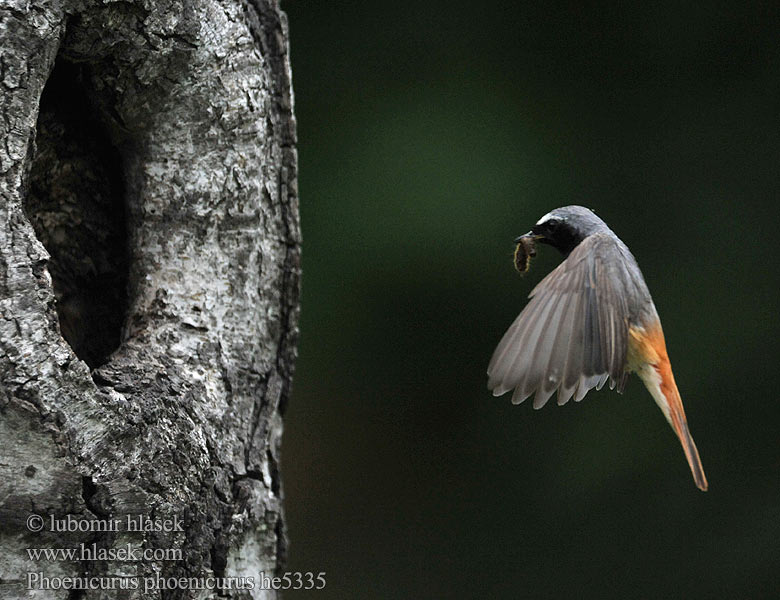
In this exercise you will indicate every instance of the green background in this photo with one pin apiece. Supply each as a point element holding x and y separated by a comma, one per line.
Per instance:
<point>430,135</point>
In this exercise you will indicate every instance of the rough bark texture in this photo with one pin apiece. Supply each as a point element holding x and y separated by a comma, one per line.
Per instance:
<point>149,216</point>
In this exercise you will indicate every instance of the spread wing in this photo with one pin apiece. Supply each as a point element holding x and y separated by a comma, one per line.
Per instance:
<point>573,334</point>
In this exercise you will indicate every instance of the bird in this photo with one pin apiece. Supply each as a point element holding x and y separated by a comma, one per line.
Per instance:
<point>590,320</point>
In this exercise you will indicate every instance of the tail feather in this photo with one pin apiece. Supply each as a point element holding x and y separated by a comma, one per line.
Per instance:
<point>651,362</point>
<point>691,452</point>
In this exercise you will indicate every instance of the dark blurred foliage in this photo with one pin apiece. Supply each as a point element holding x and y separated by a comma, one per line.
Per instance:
<point>430,135</point>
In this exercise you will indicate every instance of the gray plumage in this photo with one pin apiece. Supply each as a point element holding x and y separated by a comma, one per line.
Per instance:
<point>573,334</point>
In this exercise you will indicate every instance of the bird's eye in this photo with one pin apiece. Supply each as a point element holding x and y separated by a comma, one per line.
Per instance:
<point>552,223</point>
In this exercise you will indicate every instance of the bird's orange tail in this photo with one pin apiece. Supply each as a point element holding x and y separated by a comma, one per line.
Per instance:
<point>680,424</point>
<point>651,362</point>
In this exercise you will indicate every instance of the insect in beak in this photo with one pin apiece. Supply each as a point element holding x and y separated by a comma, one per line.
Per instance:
<point>524,251</point>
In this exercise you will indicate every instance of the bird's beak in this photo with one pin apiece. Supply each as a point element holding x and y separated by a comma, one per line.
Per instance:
<point>530,234</point>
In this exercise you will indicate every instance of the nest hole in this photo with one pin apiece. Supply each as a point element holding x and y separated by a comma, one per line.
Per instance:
<point>75,202</point>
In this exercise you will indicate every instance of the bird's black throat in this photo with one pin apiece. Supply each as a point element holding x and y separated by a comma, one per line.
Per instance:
<point>560,235</point>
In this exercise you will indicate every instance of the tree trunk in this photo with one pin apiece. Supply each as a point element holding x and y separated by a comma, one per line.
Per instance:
<point>149,217</point>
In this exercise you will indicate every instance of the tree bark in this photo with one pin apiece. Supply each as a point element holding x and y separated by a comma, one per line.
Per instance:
<point>149,216</point>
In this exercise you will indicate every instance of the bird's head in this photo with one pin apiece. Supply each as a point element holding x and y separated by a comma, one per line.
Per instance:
<point>564,228</point>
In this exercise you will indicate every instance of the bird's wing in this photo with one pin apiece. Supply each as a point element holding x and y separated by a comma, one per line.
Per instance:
<point>573,334</point>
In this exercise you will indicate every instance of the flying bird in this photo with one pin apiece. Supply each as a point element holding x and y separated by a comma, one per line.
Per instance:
<point>591,320</point>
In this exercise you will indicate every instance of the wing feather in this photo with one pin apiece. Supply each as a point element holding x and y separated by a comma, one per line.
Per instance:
<point>525,373</point>
<point>572,346</point>
<point>572,335</point>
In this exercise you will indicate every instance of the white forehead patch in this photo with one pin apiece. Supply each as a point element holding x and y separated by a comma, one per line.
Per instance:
<point>545,218</point>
